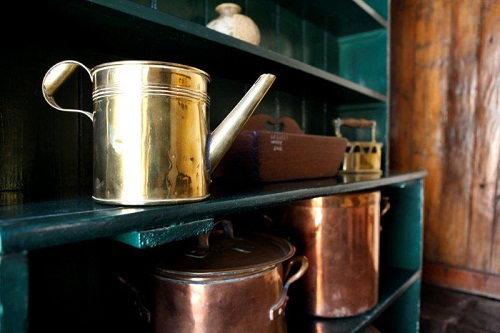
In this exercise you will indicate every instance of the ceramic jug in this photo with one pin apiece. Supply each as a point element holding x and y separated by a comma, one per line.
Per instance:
<point>231,22</point>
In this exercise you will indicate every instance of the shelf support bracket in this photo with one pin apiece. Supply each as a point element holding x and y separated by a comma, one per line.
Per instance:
<point>142,239</point>
<point>14,292</point>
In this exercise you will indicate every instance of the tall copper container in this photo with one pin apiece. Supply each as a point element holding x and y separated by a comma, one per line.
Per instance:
<point>339,234</point>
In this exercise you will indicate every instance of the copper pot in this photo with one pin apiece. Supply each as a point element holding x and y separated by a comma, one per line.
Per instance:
<point>229,284</point>
<point>339,234</point>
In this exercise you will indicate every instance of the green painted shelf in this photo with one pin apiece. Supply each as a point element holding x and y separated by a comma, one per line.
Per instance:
<point>46,224</point>
<point>393,284</point>
<point>330,59</point>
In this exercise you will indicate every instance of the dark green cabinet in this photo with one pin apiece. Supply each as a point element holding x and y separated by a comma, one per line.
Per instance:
<point>58,247</point>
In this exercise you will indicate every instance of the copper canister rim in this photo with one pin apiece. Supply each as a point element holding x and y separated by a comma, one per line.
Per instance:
<point>353,199</point>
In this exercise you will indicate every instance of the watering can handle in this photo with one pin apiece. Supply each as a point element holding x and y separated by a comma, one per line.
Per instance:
<point>55,77</point>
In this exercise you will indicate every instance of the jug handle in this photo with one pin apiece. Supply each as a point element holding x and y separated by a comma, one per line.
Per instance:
<point>55,77</point>
<point>278,308</point>
<point>387,206</point>
<point>203,246</point>
<point>144,312</point>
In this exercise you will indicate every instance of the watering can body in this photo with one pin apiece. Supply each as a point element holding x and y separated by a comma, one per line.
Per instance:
<point>152,143</point>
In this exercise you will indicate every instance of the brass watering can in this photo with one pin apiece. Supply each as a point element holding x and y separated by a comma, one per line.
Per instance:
<point>152,144</point>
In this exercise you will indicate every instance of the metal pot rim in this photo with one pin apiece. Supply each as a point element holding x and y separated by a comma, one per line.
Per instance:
<point>235,259</point>
<point>214,277</point>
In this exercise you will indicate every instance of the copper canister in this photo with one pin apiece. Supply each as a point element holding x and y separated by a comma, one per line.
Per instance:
<point>339,234</point>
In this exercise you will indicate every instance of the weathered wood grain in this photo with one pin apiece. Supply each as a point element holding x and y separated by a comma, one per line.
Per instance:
<point>459,133</point>
<point>402,84</point>
<point>495,251</point>
<point>445,118</point>
<point>487,140</point>
<point>464,279</point>
<point>432,49</point>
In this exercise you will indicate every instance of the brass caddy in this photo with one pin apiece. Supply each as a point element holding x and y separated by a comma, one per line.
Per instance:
<point>360,156</point>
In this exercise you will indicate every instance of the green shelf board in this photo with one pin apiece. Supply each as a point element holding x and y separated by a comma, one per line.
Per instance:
<point>143,239</point>
<point>132,30</point>
<point>341,18</point>
<point>392,285</point>
<point>45,224</point>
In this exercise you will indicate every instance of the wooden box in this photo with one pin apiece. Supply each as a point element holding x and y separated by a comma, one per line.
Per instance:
<point>259,155</point>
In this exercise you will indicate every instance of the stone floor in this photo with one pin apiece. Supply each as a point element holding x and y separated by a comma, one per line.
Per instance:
<point>449,311</point>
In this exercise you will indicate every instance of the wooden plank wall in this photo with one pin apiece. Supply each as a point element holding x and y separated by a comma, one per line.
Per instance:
<point>445,118</point>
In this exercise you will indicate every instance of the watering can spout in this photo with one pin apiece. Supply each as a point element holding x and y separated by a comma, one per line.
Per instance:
<point>227,131</point>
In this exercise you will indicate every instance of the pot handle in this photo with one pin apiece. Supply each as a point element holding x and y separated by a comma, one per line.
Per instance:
<point>278,308</point>
<point>387,206</point>
<point>55,77</point>
<point>203,246</point>
<point>144,312</point>
<point>385,209</point>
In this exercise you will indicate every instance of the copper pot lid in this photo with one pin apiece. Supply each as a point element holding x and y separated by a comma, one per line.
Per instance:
<point>224,257</point>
